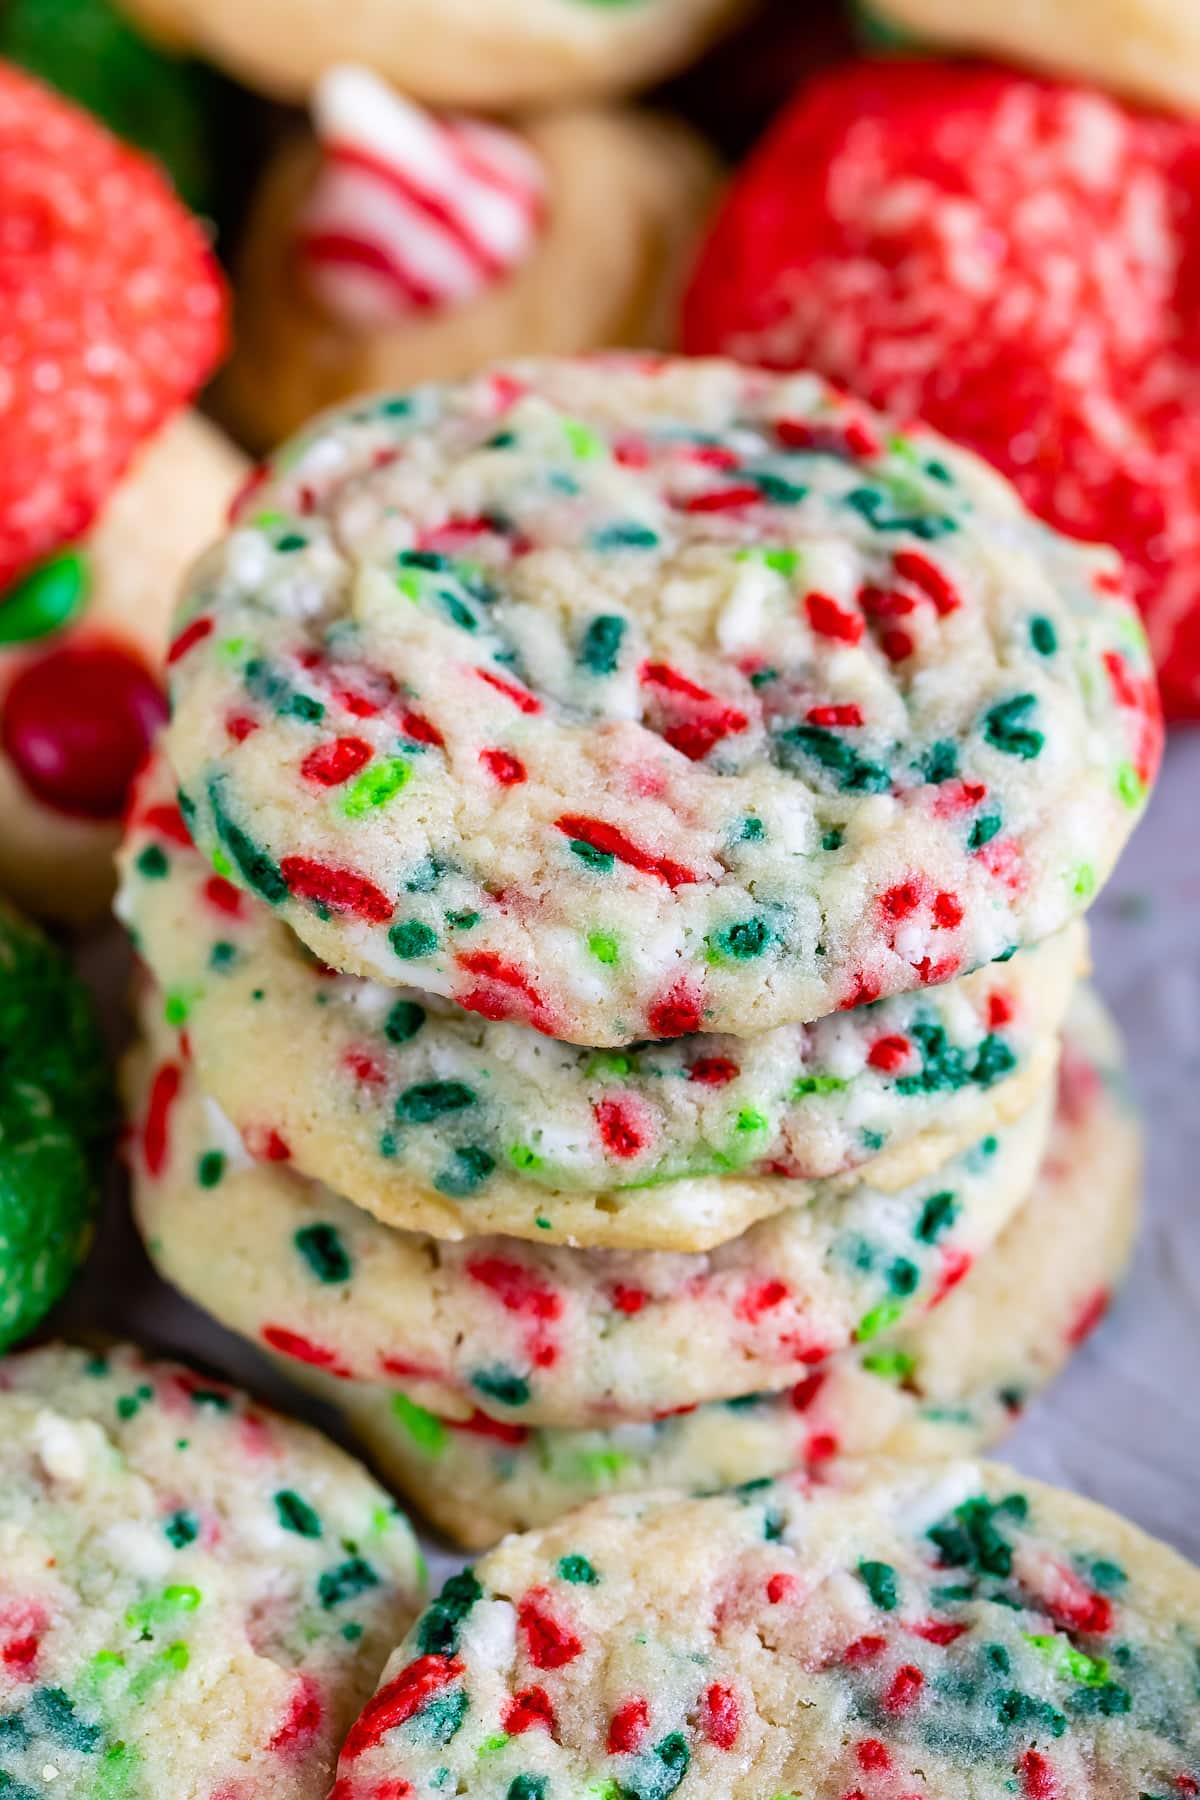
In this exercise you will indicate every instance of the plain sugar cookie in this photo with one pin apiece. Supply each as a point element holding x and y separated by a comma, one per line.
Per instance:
<point>615,198</point>
<point>488,54</point>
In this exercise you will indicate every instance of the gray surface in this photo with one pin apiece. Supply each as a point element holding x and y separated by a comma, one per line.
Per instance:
<point>1124,1423</point>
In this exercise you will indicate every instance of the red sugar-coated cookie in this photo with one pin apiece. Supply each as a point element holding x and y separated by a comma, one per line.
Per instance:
<point>1016,261</point>
<point>112,313</point>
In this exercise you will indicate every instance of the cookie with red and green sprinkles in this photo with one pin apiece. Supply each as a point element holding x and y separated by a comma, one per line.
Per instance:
<point>636,697</point>
<point>195,1596</point>
<point>952,1629</point>
<point>541,1333</point>
<point>439,1119</point>
<point>951,1381</point>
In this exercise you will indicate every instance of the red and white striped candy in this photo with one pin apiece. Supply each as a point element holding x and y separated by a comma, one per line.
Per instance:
<point>411,213</point>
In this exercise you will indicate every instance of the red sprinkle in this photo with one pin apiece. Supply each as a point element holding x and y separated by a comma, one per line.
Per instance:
<point>904,1689</point>
<point>873,1753</point>
<point>730,499</point>
<point>1000,1010</point>
<point>629,1299</point>
<point>864,1649</point>
<point>1037,1776</point>
<point>521,698</point>
<point>759,1298</point>
<point>897,645</point>
<point>910,565</point>
<point>834,715</point>
<point>628,1727</point>
<point>332,763</point>
<point>420,730</point>
<point>412,1689</point>
<point>305,1716</point>
<point>889,1054</point>
<point>529,1710</point>
<point>155,1129</point>
<point>508,770</point>
<point>168,822</point>
<point>340,889</point>
<point>516,1287</point>
<point>937,1631</point>
<point>302,1349</point>
<point>900,902</point>
<point>620,1128</point>
<point>597,834</point>
<point>188,638</point>
<point>830,620</point>
<point>1088,1316</point>
<point>480,1425</point>
<point>548,1643</point>
<point>222,895</point>
<point>947,911</point>
<point>676,1013</point>
<point>713,1071</point>
<point>779,1586</point>
<point>721,1717</point>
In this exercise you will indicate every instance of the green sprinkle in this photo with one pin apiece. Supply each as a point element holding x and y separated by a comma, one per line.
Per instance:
<point>891,1365</point>
<point>1043,636</point>
<point>437,1629</point>
<point>522,1157</point>
<point>153,862</point>
<point>258,871</point>
<point>903,1276</point>
<point>171,1661</point>
<point>603,947</point>
<point>798,745</point>
<point>345,1582</point>
<point>503,1385</point>
<point>742,941</point>
<point>378,784</point>
<point>527,1787</point>
<point>182,1528</point>
<point>425,1429</point>
<point>591,858</point>
<point>752,830</point>
<point>776,489</point>
<point>806,1085</point>
<point>578,1570</point>
<point>468,1171</point>
<point>1005,727</point>
<point>601,647</point>
<point>222,956</point>
<point>1092,1671</point>
<point>53,1712</point>
<point>984,830</point>
<point>412,938</point>
<point>750,1121</point>
<point>403,1022</point>
<point>440,1718</point>
<point>1083,883</point>
<point>462,921</point>
<point>879,1579</point>
<point>833,839</point>
<point>937,1215</point>
<point>1130,786</point>
<point>624,535</point>
<point>429,1100</point>
<point>940,761</point>
<point>880,1318</point>
<point>210,1167</point>
<point>324,1252</point>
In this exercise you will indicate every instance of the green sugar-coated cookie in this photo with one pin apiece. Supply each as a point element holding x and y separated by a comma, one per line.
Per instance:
<point>56,1110</point>
<point>160,103</point>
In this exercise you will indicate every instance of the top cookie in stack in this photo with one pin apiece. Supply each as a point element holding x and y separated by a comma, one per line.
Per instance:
<point>630,699</point>
<point>622,779</point>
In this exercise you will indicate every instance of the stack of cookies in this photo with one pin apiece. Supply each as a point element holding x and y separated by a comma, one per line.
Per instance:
<point>610,897</point>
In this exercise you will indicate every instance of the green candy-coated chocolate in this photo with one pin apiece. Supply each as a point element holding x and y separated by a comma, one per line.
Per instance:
<point>44,601</point>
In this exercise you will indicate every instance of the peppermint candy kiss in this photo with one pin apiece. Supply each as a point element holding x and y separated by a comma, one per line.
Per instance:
<point>411,213</point>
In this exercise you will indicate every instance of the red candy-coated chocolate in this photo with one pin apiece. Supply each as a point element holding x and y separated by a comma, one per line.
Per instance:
<point>77,723</point>
<point>111,315</point>
<point>1017,262</point>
